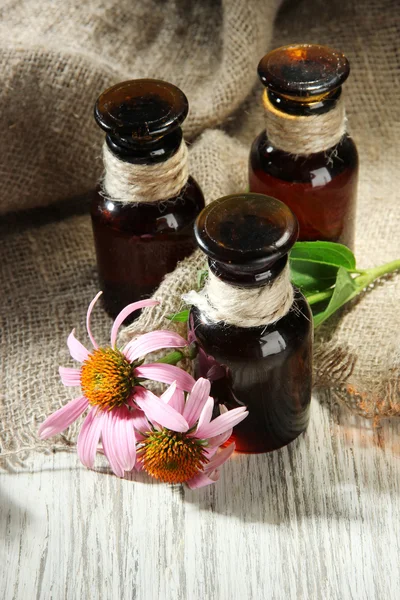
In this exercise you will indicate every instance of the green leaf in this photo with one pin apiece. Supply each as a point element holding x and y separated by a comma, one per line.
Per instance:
<point>345,290</point>
<point>180,317</point>
<point>326,253</point>
<point>310,276</point>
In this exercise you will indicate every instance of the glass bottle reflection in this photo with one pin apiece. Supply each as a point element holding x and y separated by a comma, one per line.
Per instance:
<point>138,243</point>
<point>267,368</point>
<point>305,80</point>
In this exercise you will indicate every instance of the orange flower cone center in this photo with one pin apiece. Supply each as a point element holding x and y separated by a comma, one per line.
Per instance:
<point>172,457</point>
<point>107,378</point>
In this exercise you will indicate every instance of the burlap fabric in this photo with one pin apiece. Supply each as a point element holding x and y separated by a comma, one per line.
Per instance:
<point>55,60</point>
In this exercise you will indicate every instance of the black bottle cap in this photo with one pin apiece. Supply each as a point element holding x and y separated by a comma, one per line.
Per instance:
<point>303,70</point>
<point>252,230</point>
<point>141,109</point>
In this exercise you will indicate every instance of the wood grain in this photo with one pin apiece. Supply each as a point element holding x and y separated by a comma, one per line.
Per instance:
<point>316,520</point>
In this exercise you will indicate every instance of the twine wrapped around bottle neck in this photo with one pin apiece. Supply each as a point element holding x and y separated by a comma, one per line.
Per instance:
<point>244,307</point>
<point>302,135</point>
<point>127,182</point>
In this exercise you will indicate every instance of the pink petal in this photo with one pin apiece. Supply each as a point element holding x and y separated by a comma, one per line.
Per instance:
<point>140,422</point>
<point>216,372</point>
<point>211,474</point>
<point>219,458</point>
<point>209,452</point>
<point>201,480</point>
<point>70,377</point>
<point>197,399</point>
<point>158,412</point>
<point>166,374</point>
<point>89,437</point>
<point>220,439</point>
<point>206,413</point>
<point>76,349</point>
<point>222,423</point>
<point>169,392</point>
<point>175,399</point>
<point>109,437</point>
<point>89,312</point>
<point>151,342</point>
<point>63,417</point>
<point>125,444</point>
<point>125,312</point>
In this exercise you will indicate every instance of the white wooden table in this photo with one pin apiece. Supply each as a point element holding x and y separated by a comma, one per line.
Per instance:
<point>316,520</point>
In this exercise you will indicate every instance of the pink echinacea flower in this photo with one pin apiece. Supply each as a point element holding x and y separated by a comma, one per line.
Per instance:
<point>178,441</point>
<point>109,379</point>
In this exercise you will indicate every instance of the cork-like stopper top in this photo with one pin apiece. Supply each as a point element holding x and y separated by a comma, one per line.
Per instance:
<point>303,70</point>
<point>242,228</point>
<point>141,109</point>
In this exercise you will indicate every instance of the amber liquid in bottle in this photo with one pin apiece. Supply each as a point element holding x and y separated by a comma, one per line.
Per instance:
<point>321,187</point>
<point>138,243</point>
<point>268,368</point>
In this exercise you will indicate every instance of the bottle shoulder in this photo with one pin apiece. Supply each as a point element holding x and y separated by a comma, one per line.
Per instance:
<point>292,330</point>
<point>328,164</point>
<point>172,214</point>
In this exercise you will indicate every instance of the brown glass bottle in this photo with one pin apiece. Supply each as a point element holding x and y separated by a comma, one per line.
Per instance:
<point>320,187</point>
<point>267,368</point>
<point>137,243</point>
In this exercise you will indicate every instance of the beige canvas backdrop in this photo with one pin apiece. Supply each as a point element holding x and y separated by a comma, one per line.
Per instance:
<point>56,58</point>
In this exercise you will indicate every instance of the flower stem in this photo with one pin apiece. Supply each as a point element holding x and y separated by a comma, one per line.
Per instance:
<point>172,358</point>
<point>370,275</point>
<point>319,296</point>
<point>363,279</point>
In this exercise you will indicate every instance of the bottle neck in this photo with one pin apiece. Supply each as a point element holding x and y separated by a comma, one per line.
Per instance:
<point>306,133</point>
<point>132,182</point>
<point>305,106</point>
<point>251,274</point>
<point>242,306</point>
<point>145,152</point>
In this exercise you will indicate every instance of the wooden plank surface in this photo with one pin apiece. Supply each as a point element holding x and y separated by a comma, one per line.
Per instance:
<point>316,520</point>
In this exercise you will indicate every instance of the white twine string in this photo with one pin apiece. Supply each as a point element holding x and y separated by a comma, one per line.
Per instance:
<point>244,307</point>
<point>305,134</point>
<point>126,182</point>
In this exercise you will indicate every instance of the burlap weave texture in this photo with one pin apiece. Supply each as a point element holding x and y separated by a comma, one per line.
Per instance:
<point>56,59</point>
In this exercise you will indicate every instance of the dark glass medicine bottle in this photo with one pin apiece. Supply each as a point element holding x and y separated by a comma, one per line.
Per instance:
<point>303,90</point>
<point>137,243</point>
<point>268,368</point>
